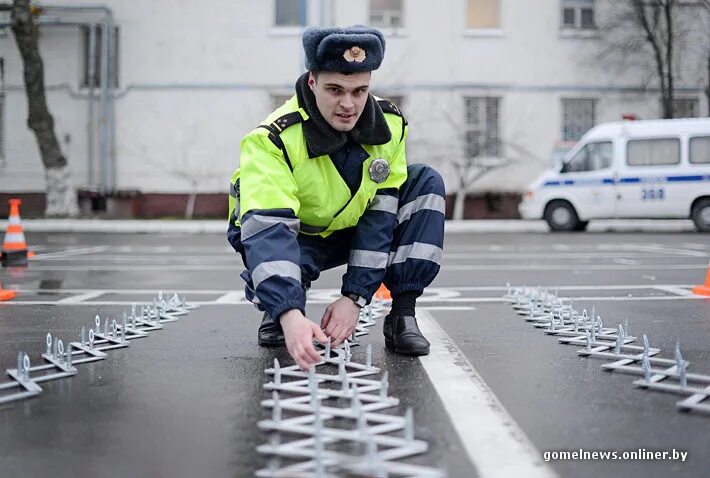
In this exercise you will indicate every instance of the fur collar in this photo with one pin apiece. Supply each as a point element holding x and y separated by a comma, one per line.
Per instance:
<point>322,139</point>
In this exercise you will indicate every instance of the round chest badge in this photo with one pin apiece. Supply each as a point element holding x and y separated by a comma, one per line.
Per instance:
<point>379,170</point>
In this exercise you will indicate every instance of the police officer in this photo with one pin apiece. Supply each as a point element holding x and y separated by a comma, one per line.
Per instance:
<point>324,182</point>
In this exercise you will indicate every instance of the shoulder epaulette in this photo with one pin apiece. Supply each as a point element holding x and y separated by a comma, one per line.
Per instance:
<point>389,107</point>
<point>276,127</point>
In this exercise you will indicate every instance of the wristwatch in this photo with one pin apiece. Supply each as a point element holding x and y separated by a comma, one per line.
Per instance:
<point>359,301</point>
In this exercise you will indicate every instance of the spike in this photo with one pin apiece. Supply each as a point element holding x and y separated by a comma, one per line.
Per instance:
<point>409,424</point>
<point>277,372</point>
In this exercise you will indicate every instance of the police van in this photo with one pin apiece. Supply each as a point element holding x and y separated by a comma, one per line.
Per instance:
<point>628,169</point>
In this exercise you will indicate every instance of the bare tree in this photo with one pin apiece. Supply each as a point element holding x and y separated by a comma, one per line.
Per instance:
<point>61,197</point>
<point>472,155</point>
<point>652,32</point>
<point>706,10</point>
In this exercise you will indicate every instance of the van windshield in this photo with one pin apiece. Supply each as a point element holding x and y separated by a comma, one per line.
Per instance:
<point>592,157</point>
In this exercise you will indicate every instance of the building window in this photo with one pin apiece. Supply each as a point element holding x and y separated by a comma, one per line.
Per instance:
<point>685,107</point>
<point>653,152</point>
<point>578,116</point>
<point>290,13</point>
<point>278,100</point>
<point>483,14</point>
<point>578,14</point>
<point>481,127</point>
<point>700,150</point>
<point>386,13</point>
<point>98,49</point>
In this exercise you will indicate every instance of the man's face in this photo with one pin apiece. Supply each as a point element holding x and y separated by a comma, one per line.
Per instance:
<point>340,98</point>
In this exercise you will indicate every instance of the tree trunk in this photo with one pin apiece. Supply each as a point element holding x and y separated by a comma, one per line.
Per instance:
<point>459,203</point>
<point>61,200</point>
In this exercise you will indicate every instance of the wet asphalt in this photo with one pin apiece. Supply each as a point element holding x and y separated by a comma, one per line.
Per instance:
<point>185,400</point>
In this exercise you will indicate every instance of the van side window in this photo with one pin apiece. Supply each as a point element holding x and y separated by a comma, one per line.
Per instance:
<point>700,150</point>
<point>592,157</point>
<point>653,152</point>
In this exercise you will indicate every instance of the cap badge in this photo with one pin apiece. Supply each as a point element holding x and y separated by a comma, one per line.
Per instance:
<point>355,54</point>
<point>379,170</point>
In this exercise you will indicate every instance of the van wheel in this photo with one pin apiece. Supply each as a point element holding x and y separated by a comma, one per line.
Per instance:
<point>701,215</point>
<point>561,216</point>
<point>581,226</point>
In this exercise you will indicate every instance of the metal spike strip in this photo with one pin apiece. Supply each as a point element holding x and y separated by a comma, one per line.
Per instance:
<point>661,374</point>
<point>332,412</point>
<point>62,362</point>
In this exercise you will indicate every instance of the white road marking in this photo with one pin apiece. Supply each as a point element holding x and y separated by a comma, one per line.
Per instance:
<point>445,307</point>
<point>71,252</point>
<point>451,291</point>
<point>562,267</point>
<point>493,441</point>
<point>550,255</point>
<point>421,300</point>
<point>76,299</point>
<point>666,250</point>
<point>628,262</point>
<point>230,297</point>
<point>674,290</point>
<point>578,287</point>
<point>445,267</point>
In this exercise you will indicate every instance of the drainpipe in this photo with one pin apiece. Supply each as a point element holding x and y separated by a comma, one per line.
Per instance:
<point>103,116</point>
<point>106,123</point>
<point>111,157</point>
<point>90,122</point>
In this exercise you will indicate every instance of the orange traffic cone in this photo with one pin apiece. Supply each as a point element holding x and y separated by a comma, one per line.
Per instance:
<point>703,289</point>
<point>14,247</point>
<point>383,293</point>
<point>6,294</point>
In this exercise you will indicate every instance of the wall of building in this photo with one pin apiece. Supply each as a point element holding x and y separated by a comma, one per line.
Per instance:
<point>194,77</point>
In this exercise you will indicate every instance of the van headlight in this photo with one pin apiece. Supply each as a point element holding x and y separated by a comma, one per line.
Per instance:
<point>528,195</point>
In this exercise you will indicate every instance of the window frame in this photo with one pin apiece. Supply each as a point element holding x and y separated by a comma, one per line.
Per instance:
<point>689,100</point>
<point>569,101</point>
<point>389,25</point>
<point>98,32</point>
<point>303,13</point>
<point>677,139</point>
<point>481,30</point>
<point>577,7</point>
<point>690,150</point>
<point>491,144</point>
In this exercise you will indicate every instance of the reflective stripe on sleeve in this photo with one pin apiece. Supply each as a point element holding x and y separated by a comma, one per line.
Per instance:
<point>384,203</point>
<point>257,223</point>
<point>433,202</point>
<point>275,268</point>
<point>418,250</point>
<point>363,258</point>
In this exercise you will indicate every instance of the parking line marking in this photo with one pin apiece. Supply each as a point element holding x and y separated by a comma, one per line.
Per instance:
<point>230,298</point>
<point>76,299</point>
<point>674,290</point>
<point>444,267</point>
<point>495,444</point>
<point>71,252</point>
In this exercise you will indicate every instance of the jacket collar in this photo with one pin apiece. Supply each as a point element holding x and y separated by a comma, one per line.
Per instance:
<point>321,139</point>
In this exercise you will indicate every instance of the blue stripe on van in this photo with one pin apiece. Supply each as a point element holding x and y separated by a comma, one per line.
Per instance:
<point>629,180</point>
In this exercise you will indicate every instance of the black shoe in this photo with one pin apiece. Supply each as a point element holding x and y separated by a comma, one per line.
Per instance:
<point>402,335</point>
<point>270,333</point>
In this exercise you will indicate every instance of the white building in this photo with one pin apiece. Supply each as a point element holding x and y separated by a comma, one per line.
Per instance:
<point>194,77</point>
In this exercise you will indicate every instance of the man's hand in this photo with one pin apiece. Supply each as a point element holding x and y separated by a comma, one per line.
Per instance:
<point>340,319</point>
<point>299,333</point>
